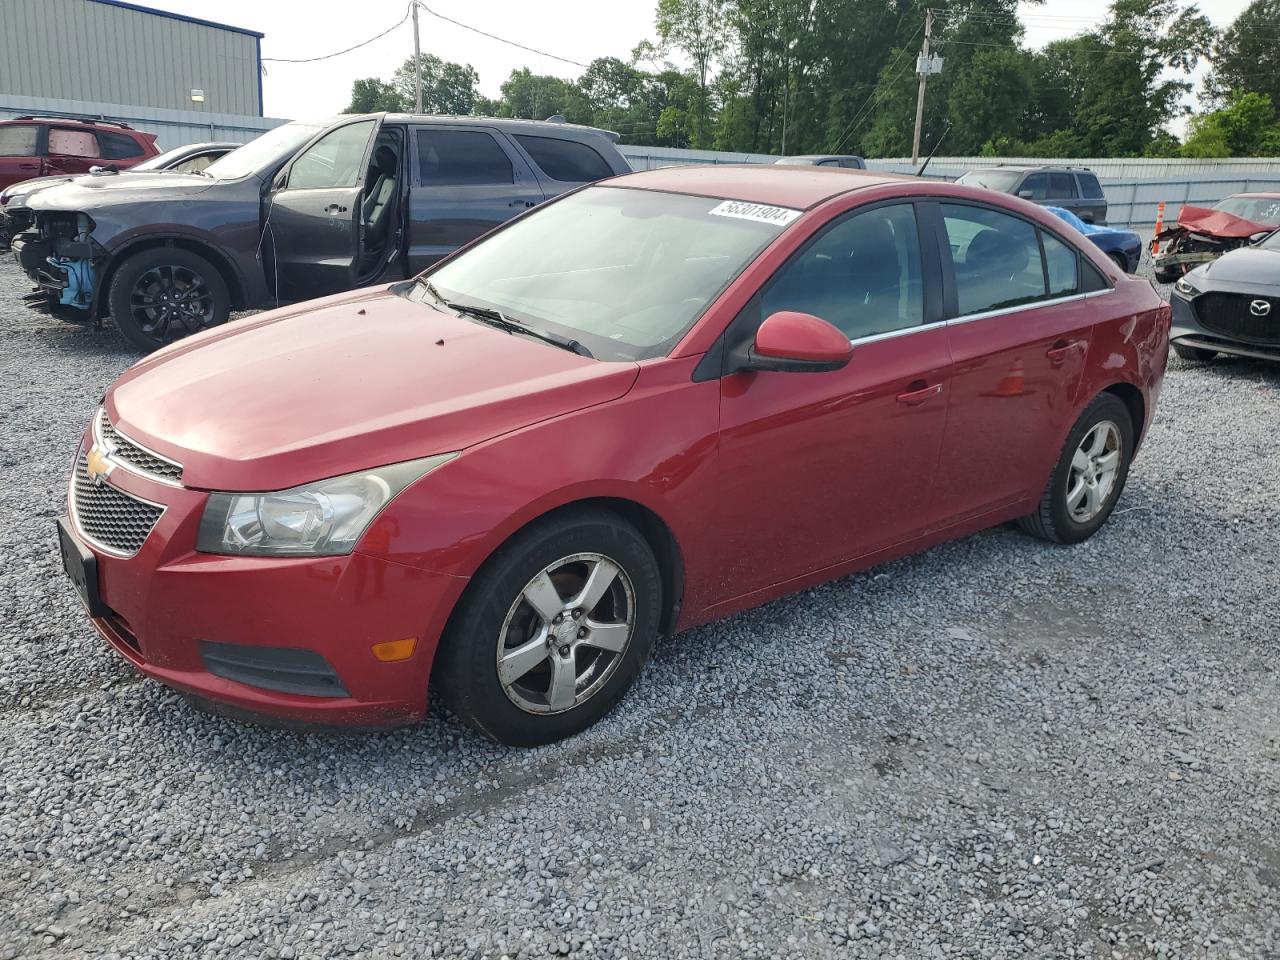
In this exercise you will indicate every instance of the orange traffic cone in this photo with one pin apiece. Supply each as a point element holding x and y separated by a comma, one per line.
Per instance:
<point>1155,244</point>
<point>1014,383</point>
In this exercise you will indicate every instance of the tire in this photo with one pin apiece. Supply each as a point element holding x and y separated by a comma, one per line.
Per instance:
<point>198,297</point>
<point>1056,519</point>
<point>495,619</point>
<point>1194,354</point>
<point>1119,260</point>
<point>1167,275</point>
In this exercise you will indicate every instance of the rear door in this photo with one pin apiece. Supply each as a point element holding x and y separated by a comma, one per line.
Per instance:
<point>312,215</point>
<point>466,181</point>
<point>1063,193</point>
<point>71,150</point>
<point>1093,202</point>
<point>1019,330</point>
<point>19,153</point>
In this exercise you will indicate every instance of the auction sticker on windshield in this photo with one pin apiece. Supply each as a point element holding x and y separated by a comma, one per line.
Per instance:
<point>759,212</point>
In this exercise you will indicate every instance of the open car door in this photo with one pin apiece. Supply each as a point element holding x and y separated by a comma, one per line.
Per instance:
<point>313,218</point>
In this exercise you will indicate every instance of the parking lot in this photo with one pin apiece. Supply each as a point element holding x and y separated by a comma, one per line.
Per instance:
<point>998,748</point>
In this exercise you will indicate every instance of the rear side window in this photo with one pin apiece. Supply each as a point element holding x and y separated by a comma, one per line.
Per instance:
<point>18,140</point>
<point>73,143</point>
<point>1062,185</point>
<point>565,160</point>
<point>863,275</point>
<point>117,146</point>
<point>996,258</point>
<point>1089,186</point>
<point>461,158</point>
<point>1063,266</point>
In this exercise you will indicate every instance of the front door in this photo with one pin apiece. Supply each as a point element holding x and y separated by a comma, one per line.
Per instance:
<point>313,216</point>
<point>19,153</point>
<point>818,468</point>
<point>1019,336</point>
<point>468,181</point>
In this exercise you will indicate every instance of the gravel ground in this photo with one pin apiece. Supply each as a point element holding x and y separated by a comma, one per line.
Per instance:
<point>995,749</point>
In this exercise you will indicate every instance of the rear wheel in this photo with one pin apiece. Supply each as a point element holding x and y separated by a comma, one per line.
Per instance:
<point>553,630</point>
<point>1090,474</point>
<point>1194,354</point>
<point>164,294</point>
<point>1119,260</point>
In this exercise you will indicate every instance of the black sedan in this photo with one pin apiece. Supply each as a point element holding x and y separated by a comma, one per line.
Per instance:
<point>1231,305</point>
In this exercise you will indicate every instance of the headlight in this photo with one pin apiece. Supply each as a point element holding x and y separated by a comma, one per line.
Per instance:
<point>325,518</point>
<point>1185,287</point>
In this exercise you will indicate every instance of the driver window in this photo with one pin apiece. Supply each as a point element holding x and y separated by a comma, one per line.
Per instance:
<point>863,275</point>
<point>335,160</point>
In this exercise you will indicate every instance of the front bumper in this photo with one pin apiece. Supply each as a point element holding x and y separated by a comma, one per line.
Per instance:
<point>1189,331</point>
<point>174,614</point>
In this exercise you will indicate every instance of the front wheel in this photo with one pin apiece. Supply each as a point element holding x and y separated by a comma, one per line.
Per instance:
<point>1194,354</point>
<point>1089,476</point>
<point>553,630</point>
<point>164,294</point>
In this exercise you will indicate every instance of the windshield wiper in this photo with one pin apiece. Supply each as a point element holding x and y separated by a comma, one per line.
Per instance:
<point>500,320</point>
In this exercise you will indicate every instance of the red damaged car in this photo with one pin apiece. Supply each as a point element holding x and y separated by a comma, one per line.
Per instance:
<point>651,403</point>
<point>1203,234</point>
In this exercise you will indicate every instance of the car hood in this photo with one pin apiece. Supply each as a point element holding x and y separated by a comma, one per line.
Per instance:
<point>87,192</point>
<point>353,381</point>
<point>20,190</point>
<point>1248,265</point>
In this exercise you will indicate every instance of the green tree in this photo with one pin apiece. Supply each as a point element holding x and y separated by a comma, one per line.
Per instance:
<point>1246,57</point>
<point>447,87</point>
<point>700,29</point>
<point>372,95</point>
<point>1246,127</point>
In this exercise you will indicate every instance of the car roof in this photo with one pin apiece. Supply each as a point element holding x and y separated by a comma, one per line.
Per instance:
<point>515,124</point>
<point>88,121</point>
<point>823,156</point>
<point>1033,167</point>
<point>1257,196</point>
<point>799,187</point>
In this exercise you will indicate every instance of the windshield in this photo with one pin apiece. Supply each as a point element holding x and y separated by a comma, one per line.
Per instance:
<point>1002,180</point>
<point>260,154</point>
<point>625,272</point>
<point>1271,241</point>
<point>160,161</point>
<point>1257,209</point>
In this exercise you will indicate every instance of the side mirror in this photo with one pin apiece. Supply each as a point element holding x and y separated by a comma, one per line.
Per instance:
<point>792,342</point>
<point>1025,194</point>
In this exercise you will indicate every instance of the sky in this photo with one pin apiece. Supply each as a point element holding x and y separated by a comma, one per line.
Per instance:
<point>574,29</point>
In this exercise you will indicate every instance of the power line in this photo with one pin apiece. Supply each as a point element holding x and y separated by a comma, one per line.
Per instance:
<point>493,36</point>
<point>876,92</point>
<point>330,56</point>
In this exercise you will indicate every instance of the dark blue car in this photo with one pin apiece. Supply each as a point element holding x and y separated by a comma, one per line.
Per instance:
<point>1122,246</point>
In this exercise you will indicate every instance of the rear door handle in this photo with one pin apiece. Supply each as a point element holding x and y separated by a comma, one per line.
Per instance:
<point>919,394</point>
<point>522,203</point>
<point>1061,350</point>
<point>334,209</point>
<point>28,166</point>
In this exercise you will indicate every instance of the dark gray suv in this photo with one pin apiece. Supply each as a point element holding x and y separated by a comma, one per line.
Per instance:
<point>1073,188</point>
<point>305,210</point>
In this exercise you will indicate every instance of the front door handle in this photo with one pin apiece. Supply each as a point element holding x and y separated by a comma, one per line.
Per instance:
<point>28,166</point>
<point>522,203</point>
<point>919,393</point>
<point>1061,350</point>
<point>334,209</point>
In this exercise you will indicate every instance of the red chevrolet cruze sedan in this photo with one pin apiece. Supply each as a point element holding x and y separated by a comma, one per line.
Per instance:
<point>651,403</point>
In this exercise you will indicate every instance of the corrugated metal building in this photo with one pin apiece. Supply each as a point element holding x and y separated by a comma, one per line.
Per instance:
<point>107,51</point>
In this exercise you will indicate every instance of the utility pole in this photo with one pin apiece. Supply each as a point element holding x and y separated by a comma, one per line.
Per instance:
<point>417,68</point>
<point>923,69</point>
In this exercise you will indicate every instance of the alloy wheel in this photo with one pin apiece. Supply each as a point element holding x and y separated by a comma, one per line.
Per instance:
<point>170,302</point>
<point>566,633</point>
<point>1094,468</point>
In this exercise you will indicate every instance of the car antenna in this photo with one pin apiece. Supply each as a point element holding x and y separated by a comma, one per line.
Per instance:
<point>936,145</point>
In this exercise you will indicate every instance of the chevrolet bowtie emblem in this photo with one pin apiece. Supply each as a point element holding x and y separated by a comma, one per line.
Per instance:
<point>97,463</point>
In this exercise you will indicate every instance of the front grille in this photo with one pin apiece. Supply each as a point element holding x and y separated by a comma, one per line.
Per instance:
<point>132,456</point>
<point>1230,314</point>
<point>108,516</point>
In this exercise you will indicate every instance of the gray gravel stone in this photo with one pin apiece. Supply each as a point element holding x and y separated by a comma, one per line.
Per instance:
<point>996,749</point>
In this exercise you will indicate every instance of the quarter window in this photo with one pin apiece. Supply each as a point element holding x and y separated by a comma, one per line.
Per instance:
<point>1062,265</point>
<point>461,158</point>
<point>73,143</point>
<point>1089,186</point>
<point>18,140</point>
<point>863,275</point>
<point>996,258</point>
<point>117,146</point>
<point>335,160</point>
<point>565,160</point>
